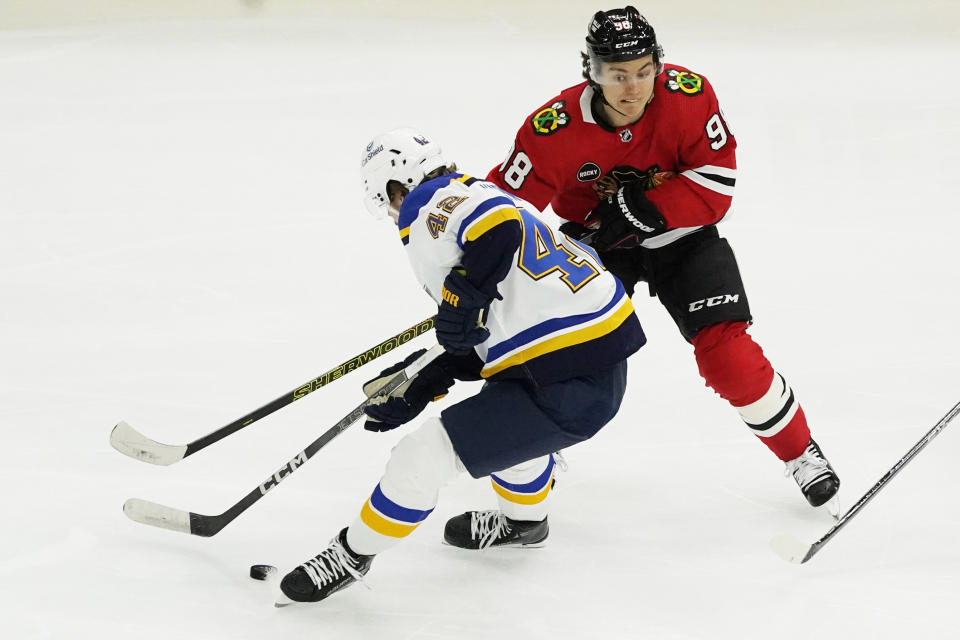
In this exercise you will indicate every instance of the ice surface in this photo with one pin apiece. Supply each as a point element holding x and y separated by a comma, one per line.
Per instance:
<point>182,240</point>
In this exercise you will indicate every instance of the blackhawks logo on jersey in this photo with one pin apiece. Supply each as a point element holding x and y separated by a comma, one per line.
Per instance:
<point>608,185</point>
<point>550,119</point>
<point>685,82</point>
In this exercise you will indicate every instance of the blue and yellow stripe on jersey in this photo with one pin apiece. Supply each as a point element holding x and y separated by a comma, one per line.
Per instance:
<point>558,334</point>
<point>420,196</point>
<point>533,492</point>
<point>388,518</point>
<point>487,215</point>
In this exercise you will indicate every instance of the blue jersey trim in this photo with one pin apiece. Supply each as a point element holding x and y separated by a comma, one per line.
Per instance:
<point>555,324</point>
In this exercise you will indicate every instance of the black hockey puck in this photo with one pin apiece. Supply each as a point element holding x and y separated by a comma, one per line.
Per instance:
<point>261,571</point>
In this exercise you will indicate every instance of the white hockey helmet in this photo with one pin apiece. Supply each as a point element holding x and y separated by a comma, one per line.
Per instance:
<point>404,155</point>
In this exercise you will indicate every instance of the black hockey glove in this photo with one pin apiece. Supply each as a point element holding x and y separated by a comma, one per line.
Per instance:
<point>626,219</point>
<point>459,323</point>
<point>575,230</point>
<point>406,401</point>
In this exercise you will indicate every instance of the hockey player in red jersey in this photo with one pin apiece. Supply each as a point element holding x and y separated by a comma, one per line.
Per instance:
<point>641,163</point>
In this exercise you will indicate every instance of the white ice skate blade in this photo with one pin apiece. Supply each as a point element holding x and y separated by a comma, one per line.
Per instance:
<point>535,545</point>
<point>833,507</point>
<point>283,601</point>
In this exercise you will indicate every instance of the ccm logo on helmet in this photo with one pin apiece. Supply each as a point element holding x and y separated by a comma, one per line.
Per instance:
<point>714,301</point>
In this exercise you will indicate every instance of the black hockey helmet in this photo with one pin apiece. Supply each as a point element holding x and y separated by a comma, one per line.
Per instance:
<point>621,34</point>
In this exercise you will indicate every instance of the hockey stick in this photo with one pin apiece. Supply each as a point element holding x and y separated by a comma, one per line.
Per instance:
<point>792,550</point>
<point>128,441</point>
<point>158,515</point>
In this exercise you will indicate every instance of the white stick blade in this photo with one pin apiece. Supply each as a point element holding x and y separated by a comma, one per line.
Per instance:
<point>157,515</point>
<point>131,442</point>
<point>789,548</point>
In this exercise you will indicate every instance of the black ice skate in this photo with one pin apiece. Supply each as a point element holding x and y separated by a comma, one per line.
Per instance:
<point>817,479</point>
<point>335,568</point>
<point>483,529</point>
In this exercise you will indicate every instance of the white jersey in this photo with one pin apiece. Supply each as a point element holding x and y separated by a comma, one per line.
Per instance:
<point>561,313</point>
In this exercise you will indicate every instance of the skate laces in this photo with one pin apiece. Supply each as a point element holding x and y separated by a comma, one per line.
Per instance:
<point>809,467</point>
<point>332,563</point>
<point>488,526</point>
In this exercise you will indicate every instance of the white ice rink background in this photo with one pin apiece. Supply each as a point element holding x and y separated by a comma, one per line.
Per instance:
<point>182,240</point>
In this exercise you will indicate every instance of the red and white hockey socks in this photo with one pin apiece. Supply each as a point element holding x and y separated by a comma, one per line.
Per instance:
<point>734,366</point>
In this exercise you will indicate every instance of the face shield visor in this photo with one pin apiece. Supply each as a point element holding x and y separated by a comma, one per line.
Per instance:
<point>623,72</point>
<point>375,173</point>
<point>379,204</point>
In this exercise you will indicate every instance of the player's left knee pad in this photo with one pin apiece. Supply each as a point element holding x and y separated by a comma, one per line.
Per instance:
<point>731,363</point>
<point>420,464</point>
<point>735,367</point>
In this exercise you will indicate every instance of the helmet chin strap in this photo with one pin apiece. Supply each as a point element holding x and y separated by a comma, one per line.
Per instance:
<point>604,98</point>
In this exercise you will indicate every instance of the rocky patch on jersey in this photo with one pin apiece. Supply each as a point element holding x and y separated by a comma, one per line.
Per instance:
<point>588,171</point>
<point>621,175</point>
<point>550,119</point>
<point>685,82</point>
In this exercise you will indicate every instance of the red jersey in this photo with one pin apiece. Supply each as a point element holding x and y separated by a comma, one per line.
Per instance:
<point>566,157</point>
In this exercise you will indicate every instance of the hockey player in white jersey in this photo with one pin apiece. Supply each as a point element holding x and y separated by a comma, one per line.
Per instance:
<point>530,311</point>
